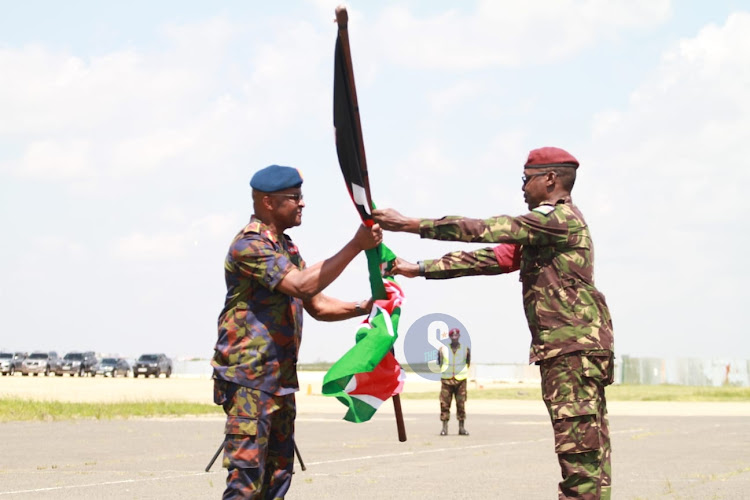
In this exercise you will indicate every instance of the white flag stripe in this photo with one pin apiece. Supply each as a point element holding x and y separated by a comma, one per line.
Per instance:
<point>351,385</point>
<point>360,197</point>
<point>369,400</point>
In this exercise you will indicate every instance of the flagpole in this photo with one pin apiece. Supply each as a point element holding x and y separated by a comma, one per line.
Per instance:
<point>342,19</point>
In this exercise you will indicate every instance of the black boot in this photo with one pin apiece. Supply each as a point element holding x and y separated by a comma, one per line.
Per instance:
<point>461,430</point>
<point>444,432</point>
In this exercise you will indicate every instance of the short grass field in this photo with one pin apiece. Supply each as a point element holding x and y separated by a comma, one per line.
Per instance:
<point>614,393</point>
<point>16,409</point>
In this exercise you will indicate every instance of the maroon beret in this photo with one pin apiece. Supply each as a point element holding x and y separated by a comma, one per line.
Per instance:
<point>550,157</point>
<point>454,330</point>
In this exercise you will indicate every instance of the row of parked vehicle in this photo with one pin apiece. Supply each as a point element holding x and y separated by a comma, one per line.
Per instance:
<point>82,364</point>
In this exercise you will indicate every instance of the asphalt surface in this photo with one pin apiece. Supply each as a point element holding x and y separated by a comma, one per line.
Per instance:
<point>509,454</point>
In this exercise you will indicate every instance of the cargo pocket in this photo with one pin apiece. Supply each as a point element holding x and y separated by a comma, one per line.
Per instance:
<point>241,445</point>
<point>599,368</point>
<point>576,426</point>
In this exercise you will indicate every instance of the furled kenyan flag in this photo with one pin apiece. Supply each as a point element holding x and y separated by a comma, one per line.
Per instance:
<point>368,373</point>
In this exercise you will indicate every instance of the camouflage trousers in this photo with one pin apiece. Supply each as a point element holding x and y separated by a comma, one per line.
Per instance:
<point>449,388</point>
<point>259,444</point>
<point>573,390</point>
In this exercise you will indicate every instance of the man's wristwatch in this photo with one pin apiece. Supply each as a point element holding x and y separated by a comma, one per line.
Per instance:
<point>420,263</point>
<point>358,307</point>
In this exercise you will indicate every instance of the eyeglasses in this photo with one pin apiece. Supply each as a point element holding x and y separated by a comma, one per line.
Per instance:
<point>526,178</point>
<point>295,197</point>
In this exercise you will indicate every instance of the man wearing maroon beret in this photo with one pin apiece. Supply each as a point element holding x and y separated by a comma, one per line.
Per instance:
<point>454,361</point>
<point>571,328</point>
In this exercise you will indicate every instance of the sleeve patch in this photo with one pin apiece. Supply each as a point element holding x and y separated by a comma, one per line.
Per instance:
<point>544,209</point>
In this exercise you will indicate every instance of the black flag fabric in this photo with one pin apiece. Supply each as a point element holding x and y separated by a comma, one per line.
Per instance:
<point>349,144</point>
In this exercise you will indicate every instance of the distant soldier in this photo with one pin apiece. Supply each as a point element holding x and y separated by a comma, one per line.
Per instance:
<point>260,329</point>
<point>571,329</point>
<point>454,360</point>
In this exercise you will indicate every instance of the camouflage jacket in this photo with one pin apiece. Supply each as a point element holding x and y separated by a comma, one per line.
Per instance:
<point>564,310</point>
<point>260,329</point>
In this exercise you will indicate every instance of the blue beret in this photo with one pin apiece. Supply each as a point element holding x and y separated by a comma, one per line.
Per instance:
<point>275,178</point>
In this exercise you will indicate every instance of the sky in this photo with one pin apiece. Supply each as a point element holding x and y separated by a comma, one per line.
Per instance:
<point>129,132</point>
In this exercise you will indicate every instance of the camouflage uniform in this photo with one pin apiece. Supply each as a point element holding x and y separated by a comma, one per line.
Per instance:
<point>571,329</point>
<point>254,363</point>
<point>453,385</point>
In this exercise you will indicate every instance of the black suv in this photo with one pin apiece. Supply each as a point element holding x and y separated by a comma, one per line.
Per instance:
<point>153,364</point>
<point>78,363</point>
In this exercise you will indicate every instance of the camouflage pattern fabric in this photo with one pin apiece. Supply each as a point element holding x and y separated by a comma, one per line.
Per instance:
<point>573,391</point>
<point>450,387</point>
<point>461,263</point>
<point>564,310</point>
<point>570,324</point>
<point>260,329</point>
<point>259,444</point>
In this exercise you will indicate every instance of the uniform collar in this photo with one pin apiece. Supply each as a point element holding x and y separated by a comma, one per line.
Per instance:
<point>258,226</point>
<point>564,200</point>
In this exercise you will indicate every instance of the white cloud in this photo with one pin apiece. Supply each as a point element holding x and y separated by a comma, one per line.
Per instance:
<point>55,160</point>
<point>692,114</point>
<point>211,229</point>
<point>129,112</point>
<point>509,34</point>
<point>447,99</point>
<point>142,247</point>
<point>663,192</point>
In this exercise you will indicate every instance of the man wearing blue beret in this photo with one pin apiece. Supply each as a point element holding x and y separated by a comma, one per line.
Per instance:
<point>260,329</point>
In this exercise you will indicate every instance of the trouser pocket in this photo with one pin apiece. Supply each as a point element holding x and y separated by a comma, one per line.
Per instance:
<point>241,448</point>
<point>576,426</point>
<point>599,368</point>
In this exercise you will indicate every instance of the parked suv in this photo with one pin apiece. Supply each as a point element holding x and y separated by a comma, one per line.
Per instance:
<point>40,362</point>
<point>113,366</point>
<point>6,363</point>
<point>153,364</point>
<point>18,359</point>
<point>78,363</point>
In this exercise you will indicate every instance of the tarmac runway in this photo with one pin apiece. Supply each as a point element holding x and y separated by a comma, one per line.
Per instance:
<point>660,450</point>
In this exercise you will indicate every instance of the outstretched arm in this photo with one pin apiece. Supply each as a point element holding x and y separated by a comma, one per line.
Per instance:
<point>483,262</point>
<point>391,220</point>
<point>325,308</point>
<point>307,283</point>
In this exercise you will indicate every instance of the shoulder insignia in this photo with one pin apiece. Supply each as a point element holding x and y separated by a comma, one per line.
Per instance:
<point>544,209</point>
<point>253,227</point>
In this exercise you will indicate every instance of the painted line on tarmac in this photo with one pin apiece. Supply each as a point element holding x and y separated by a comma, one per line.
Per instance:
<point>104,483</point>
<point>422,452</point>
<point>323,462</point>
<point>442,450</point>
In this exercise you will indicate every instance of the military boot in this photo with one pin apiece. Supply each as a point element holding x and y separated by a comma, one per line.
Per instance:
<point>444,432</point>
<point>461,430</point>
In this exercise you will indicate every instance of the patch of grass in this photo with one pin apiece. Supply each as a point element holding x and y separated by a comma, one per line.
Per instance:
<point>320,366</point>
<point>15,409</point>
<point>676,393</point>
<point>614,393</point>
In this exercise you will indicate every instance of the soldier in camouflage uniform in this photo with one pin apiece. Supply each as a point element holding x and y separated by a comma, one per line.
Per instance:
<point>570,324</point>
<point>454,361</point>
<point>260,329</point>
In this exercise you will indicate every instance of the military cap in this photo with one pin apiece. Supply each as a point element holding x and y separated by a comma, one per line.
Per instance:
<point>275,178</point>
<point>454,330</point>
<point>550,157</point>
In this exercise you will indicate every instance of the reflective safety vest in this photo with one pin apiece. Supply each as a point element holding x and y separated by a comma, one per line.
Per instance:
<point>454,363</point>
